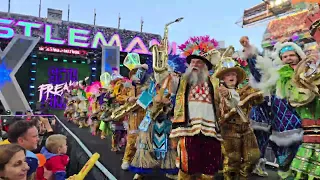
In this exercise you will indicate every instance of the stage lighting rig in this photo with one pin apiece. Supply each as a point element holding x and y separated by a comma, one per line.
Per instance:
<point>266,11</point>
<point>93,58</point>
<point>90,55</point>
<point>279,6</point>
<point>94,55</point>
<point>277,3</point>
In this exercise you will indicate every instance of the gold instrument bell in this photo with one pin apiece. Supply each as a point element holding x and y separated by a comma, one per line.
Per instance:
<point>131,61</point>
<point>160,53</point>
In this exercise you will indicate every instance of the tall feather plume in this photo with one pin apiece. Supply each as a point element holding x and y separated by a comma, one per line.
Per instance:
<point>198,43</point>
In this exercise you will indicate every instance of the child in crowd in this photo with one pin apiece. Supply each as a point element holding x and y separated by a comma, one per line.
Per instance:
<point>28,116</point>
<point>56,159</point>
<point>3,134</point>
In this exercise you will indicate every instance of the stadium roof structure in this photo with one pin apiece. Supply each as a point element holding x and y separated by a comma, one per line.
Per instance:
<point>265,11</point>
<point>40,19</point>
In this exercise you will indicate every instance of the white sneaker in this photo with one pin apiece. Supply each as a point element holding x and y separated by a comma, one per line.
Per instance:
<point>125,166</point>
<point>260,168</point>
<point>137,177</point>
<point>171,176</point>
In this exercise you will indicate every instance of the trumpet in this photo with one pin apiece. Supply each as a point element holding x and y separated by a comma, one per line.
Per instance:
<point>123,110</point>
<point>160,52</point>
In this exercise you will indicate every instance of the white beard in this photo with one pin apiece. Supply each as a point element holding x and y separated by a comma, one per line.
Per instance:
<point>197,77</point>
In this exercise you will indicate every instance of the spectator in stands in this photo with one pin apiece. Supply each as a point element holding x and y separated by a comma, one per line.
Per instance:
<point>56,158</point>
<point>12,162</point>
<point>25,133</point>
<point>28,115</point>
<point>6,120</point>
<point>3,134</point>
<point>45,109</point>
<point>45,130</point>
<point>6,141</point>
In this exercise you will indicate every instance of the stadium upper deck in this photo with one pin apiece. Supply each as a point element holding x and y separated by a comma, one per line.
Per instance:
<point>60,29</point>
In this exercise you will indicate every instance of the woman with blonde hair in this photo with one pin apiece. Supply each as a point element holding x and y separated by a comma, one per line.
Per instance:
<point>13,165</point>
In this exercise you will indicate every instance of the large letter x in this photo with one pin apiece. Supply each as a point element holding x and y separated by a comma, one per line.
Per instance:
<point>12,58</point>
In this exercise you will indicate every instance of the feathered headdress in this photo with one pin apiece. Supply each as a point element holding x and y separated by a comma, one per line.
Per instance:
<point>198,45</point>
<point>105,80</point>
<point>177,63</point>
<point>93,89</point>
<point>201,47</point>
<point>281,48</point>
<point>132,61</point>
<point>115,77</point>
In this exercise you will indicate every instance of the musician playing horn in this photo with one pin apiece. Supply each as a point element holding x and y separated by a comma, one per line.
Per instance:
<point>241,150</point>
<point>139,78</point>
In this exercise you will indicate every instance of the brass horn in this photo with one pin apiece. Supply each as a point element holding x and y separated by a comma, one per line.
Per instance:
<point>160,52</point>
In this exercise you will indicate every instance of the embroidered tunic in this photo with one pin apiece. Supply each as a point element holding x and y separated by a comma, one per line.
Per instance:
<point>201,114</point>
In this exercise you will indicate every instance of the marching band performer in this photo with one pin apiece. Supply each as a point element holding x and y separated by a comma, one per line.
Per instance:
<point>277,78</point>
<point>82,104</point>
<point>102,99</point>
<point>107,104</point>
<point>275,121</point>
<point>93,113</point>
<point>301,90</point>
<point>240,146</point>
<point>143,161</point>
<point>306,79</point>
<point>104,113</point>
<point>139,77</point>
<point>154,148</point>
<point>70,108</point>
<point>260,115</point>
<point>74,94</point>
<point>119,92</point>
<point>93,93</point>
<point>196,114</point>
<point>162,114</point>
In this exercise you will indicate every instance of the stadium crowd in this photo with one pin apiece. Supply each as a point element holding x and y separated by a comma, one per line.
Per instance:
<point>285,27</point>
<point>30,149</point>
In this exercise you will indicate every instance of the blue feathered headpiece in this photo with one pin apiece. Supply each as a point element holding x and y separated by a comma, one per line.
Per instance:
<point>177,63</point>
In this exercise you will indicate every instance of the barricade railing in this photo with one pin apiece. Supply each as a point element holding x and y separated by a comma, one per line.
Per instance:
<point>78,157</point>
